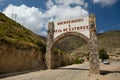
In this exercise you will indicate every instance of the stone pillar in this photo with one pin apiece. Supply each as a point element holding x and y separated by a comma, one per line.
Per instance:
<point>94,56</point>
<point>48,55</point>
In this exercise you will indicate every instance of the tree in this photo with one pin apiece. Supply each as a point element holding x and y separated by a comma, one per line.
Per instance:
<point>103,54</point>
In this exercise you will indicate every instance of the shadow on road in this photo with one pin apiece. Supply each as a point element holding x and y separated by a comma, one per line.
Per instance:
<point>73,69</point>
<point>16,73</point>
<point>105,72</point>
<point>102,72</point>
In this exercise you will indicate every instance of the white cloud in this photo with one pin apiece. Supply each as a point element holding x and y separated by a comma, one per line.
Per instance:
<point>61,13</point>
<point>101,31</point>
<point>69,2</point>
<point>49,4</point>
<point>105,2</point>
<point>30,17</point>
<point>86,5</point>
<point>1,2</point>
<point>37,20</point>
<point>117,25</point>
<point>96,1</point>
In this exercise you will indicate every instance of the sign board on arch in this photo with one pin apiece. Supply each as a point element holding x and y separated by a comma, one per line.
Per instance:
<point>80,25</point>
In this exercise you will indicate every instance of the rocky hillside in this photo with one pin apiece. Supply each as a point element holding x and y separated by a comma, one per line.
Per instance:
<point>110,41</point>
<point>70,43</point>
<point>20,49</point>
<point>16,33</point>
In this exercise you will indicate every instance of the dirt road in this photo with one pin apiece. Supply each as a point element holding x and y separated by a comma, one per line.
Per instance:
<point>72,72</point>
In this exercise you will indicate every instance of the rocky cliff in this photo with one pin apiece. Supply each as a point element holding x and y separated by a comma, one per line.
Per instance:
<point>13,58</point>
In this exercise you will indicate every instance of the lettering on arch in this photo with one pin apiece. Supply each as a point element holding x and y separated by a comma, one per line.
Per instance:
<point>80,25</point>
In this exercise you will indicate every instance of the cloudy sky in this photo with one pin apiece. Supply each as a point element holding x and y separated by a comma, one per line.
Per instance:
<point>35,14</point>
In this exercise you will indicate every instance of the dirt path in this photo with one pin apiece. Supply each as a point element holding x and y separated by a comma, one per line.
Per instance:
<point>72,72</point>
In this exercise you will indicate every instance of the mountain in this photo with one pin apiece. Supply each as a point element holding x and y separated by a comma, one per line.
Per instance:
<point>20,48</point>
<point>70,43</point>
<point>110,41</point>
<point>15,33</point>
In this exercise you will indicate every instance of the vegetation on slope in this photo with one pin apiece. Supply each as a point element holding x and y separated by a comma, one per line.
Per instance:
<point>110,41</point>
<point>13,32</point>
<point>70,43</point>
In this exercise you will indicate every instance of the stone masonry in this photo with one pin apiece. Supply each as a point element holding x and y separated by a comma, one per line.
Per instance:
<point>94,57</point>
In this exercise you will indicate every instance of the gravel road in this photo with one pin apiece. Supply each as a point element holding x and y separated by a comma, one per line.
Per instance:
<point>72,72</point>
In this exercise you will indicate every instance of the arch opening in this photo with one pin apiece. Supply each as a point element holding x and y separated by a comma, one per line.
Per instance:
<point>86,39</point>
<point>70,43</point>
<point>60,58</point>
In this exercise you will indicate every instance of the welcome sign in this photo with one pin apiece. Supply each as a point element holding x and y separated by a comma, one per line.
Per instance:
<point>80,25</point>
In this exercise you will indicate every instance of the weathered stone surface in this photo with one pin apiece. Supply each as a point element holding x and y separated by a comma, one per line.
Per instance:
<point>48,55</point>
<point>94,56</point>
<point>14,59</point>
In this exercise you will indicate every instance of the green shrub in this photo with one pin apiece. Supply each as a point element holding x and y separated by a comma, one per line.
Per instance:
<point>103,54</point>
<point>118,53</point>
<point>63,63</point>
<point>78,61</point>
<point>42,46</point>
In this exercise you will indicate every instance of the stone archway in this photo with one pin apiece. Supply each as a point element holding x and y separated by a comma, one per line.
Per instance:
<point>70,34</point>
<point>89,35</point>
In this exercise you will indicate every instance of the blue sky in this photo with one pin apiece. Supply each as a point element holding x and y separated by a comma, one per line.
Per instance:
<point>35,14</point>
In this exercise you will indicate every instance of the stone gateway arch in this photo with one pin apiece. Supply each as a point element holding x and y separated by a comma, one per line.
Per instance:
<point>84,28</point>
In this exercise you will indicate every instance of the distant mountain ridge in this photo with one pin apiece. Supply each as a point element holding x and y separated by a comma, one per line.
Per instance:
<point>109,40</point>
